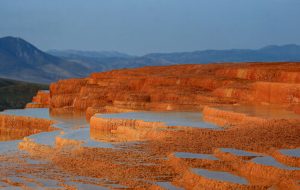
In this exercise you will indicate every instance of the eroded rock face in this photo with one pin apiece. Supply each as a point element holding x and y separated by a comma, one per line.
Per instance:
<point>226,117</point>
<point>297,109</point>
<point>181,87</point>
<point>105,109</point>
<point>17,127</point>
<point>272,72</point>
<point>105,124</point>
<point>125,130</point>
<point>287,159</point>
<point>154,160</point>
<point>41,100</point>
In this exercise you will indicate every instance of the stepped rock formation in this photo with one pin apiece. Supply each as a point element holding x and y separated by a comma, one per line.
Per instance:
<point>113,124</point>
<point>258,176</point>
<point>286,159</point>
<point>152,161</point>
<point>16,127</point>
<point>223,92</point>
<point>41,100</point>
<point>225,118</point>
<point>181,87</point>
<point>105,109</point>
<point>124,130</point>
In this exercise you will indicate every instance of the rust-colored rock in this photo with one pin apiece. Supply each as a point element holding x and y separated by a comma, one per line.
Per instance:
<point>124,130</point>
<point>287,159</point>
<point>217,89</point>
<point>41,100</point>
<point>105,109</point>
<point>113,124</point>
<point>227,117</point>
<point>181,87</point>
<point>21,126</point>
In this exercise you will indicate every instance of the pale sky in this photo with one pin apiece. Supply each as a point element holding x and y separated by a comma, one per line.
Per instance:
<point>144,26</point>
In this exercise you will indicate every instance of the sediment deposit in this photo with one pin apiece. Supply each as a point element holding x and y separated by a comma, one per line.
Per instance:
<point>230,117</point>
<point>181,87</point>
<point>125,130</point>
<point>143,153</point>
<point>41,100</point>
<point>20,126</point>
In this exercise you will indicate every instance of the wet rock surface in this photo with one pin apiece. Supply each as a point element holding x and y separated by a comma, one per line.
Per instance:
<point>130,129</point>
<point>41,100</point>
<point>181,87</point>
<point>16,127</point>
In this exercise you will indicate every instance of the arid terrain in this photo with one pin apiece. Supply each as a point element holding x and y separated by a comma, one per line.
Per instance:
<point>210,126</point>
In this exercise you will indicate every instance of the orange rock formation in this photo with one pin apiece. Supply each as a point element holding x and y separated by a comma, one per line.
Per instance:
<point>208,88</point>
<point>17,127</point>
<point>226,118</point>
<point>181,87</point>
<point>41,100</point>
<point>124,130</point>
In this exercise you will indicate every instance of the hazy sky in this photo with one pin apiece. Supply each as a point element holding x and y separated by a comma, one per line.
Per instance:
<point>144,26</point>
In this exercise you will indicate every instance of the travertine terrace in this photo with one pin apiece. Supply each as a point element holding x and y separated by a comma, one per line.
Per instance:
<point>181,87</point>
<point>16,127</point>
<point>255,107</point>
<point>41,100</point>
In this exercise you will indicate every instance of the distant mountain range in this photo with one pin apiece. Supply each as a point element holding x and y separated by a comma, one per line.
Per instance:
<point>106,60</point>
<point>23,61</point>
<point>271,53</point>
<point>91,54</point>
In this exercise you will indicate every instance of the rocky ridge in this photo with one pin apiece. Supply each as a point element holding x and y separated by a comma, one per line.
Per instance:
<point>181,87</point>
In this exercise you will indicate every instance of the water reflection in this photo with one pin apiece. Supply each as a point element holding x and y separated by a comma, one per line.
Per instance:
<point>64,123</point>
<point>11,135</point>
<point>291,152</point>
<point>42,113</point>
<point>270,161</point>
<point>148,162</point>
<point>195,156</point>
<point>188,119</point>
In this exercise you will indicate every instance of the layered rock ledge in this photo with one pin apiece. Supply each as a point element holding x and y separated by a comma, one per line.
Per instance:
<point>17,127</point>
<point>228,116</point>
<point>41,100</point>
<point>181,87</point>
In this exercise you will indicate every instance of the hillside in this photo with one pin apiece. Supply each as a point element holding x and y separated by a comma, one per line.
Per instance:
<point>21,60</point>
<point>15,94</point>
